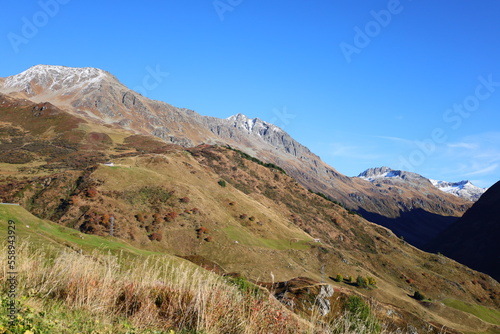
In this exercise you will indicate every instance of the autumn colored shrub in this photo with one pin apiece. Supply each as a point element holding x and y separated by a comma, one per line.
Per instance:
<point>202,230</point>
<point>185,199</point>
<point>170,217</point>
<point>91,192</point>
<point>156,236</point>
<point>158,219</point>
<point>105,219</point>
<point>140,217</point>
<point>74,200</point>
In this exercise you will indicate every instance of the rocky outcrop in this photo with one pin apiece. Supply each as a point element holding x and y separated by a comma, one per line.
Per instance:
<point>303,294</point>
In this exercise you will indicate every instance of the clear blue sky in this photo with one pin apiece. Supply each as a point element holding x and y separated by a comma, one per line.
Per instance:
<point>362,84</point>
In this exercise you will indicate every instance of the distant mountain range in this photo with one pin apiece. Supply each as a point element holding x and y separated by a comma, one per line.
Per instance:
<point>464,189</point>
<point>97,95</point>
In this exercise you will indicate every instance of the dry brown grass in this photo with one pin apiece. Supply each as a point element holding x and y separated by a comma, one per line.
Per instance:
<point>156,292</point>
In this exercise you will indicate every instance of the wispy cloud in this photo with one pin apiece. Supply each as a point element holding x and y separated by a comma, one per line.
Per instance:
<point>468,146</point>
<point>483,171</point>
<point>397,139</point>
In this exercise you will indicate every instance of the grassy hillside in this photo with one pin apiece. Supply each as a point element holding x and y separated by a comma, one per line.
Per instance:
<point>60,290</point>
<point>41,233</point>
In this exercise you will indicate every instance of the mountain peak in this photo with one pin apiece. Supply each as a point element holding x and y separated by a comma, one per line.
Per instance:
<point>371,173</point>
<point>252,125</point>
<point>55,78</point>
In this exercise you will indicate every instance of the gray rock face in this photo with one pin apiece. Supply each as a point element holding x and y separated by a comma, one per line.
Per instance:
<point>258,133</point>
<point>323,299</point>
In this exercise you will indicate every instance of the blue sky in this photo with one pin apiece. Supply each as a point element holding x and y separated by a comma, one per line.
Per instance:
<point>406,84</point>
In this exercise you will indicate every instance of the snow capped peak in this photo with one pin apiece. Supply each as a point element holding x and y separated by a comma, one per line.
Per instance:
<point>464,189</point>
<point>55,78</point>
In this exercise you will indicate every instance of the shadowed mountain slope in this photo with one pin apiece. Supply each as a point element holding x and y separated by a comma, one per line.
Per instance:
<point>474,238</point>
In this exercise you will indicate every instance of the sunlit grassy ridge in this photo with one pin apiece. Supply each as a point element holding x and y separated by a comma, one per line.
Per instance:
<point>485,313</point>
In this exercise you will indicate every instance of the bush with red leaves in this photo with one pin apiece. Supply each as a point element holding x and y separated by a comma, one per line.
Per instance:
<point>158,219</point>
<point>170,217</point>
<point>156,236</point>
<point>91,192</point>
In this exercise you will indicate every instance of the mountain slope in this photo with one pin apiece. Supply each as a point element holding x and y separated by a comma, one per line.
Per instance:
<point>473,239</point>
<point>98,96</point>
<point>259,222</point>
